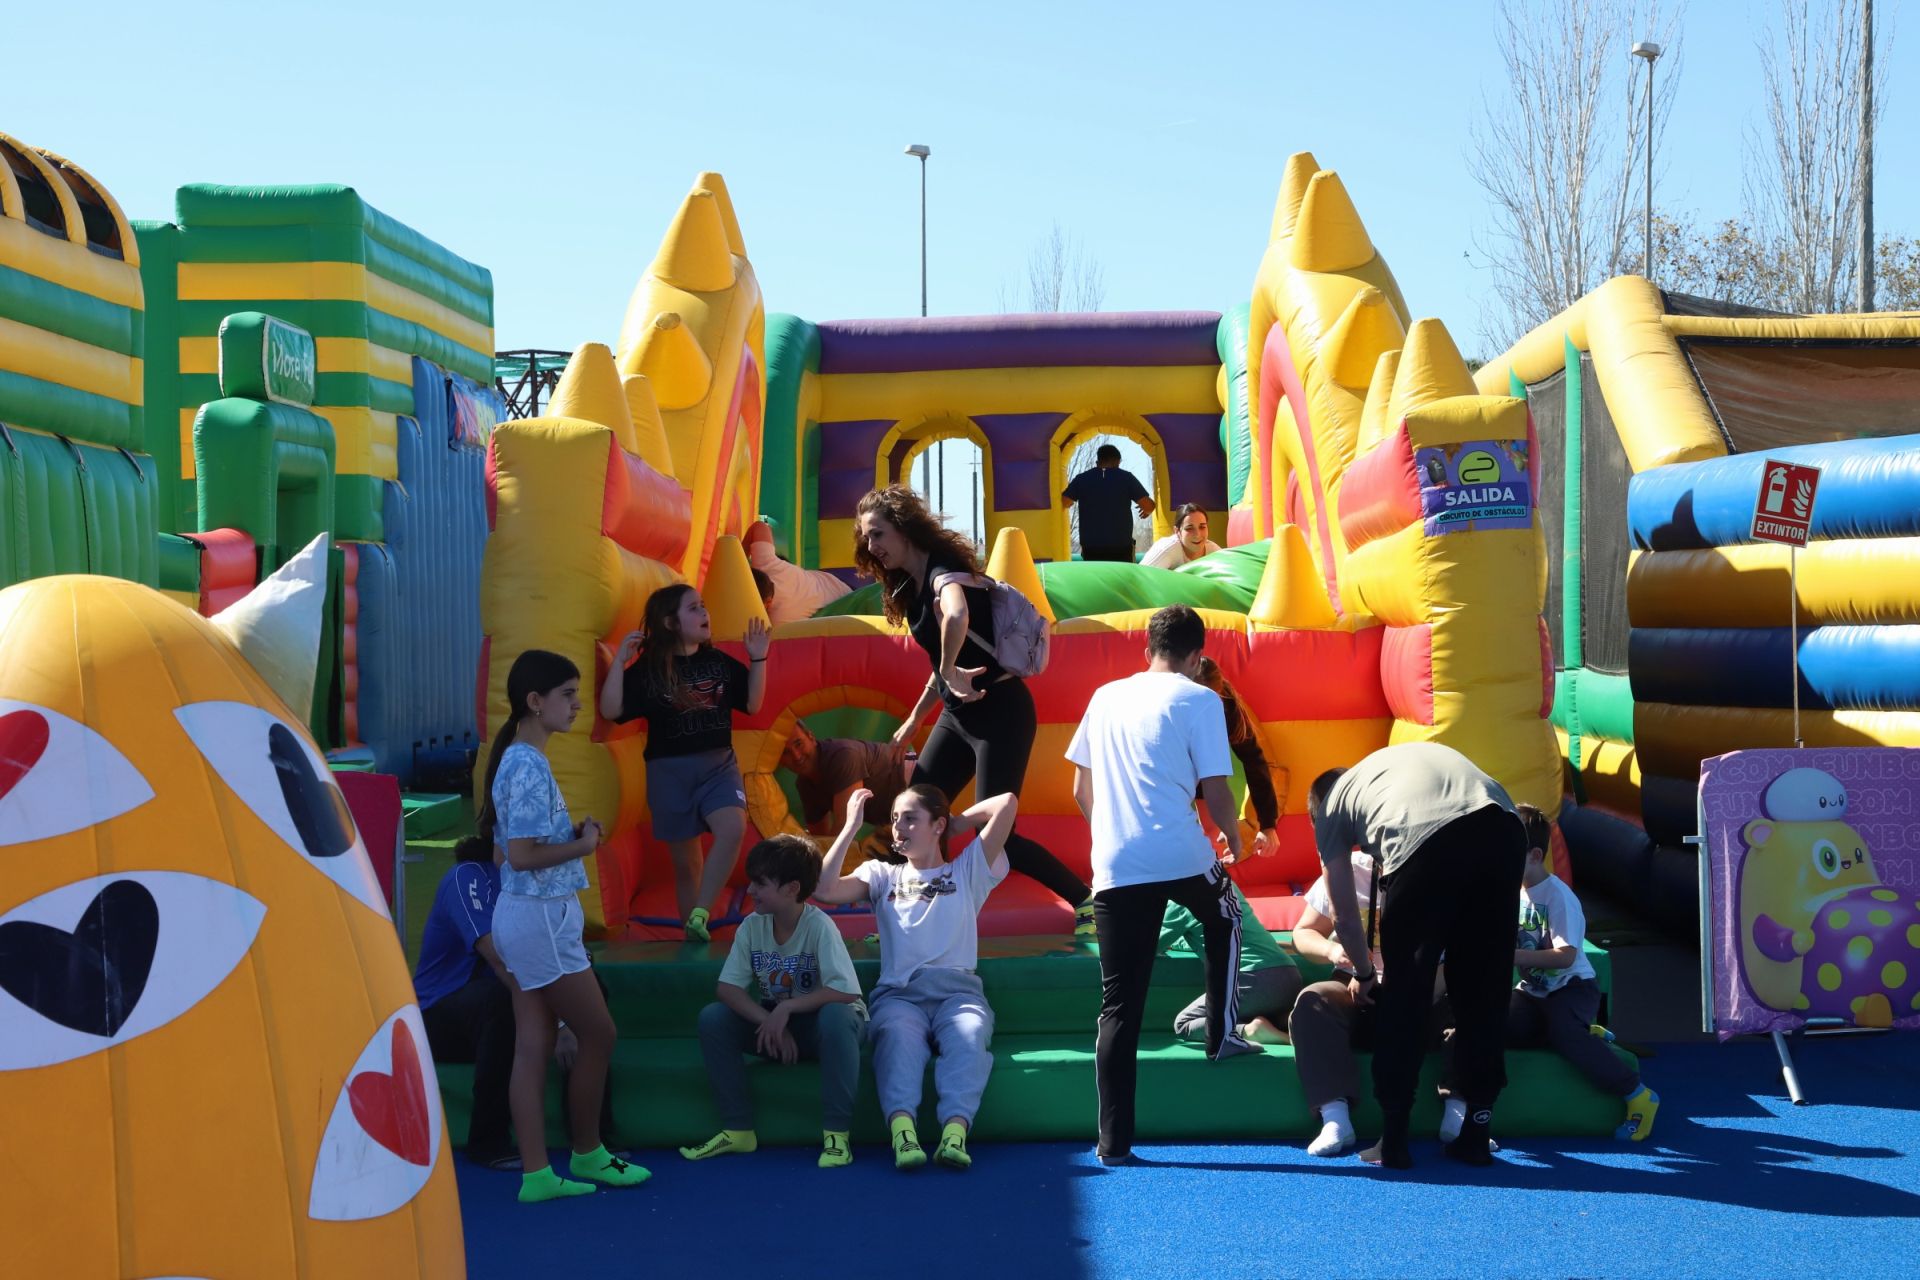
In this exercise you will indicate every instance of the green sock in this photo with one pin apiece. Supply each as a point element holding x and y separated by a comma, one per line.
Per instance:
<point>1084,924</point>
<point>907,1152</point>
<point>727,1142</point>
<point>545,1184</point>
<point>835,1151</point>
<point>604,1167</point>
<point>952,1151</point>
<point>696,926</point>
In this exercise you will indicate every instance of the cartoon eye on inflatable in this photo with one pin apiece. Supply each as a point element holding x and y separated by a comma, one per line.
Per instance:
<point>1826,858</point>
<point>59,776</point>
<point>284,781</point>
<point>97,962</point>
<point>384,1134</point>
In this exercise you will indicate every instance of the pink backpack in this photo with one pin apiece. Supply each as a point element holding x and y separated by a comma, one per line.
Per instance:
<point>1021,636</point>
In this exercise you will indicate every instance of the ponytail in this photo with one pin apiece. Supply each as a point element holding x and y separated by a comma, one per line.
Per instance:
<point>534,672</point>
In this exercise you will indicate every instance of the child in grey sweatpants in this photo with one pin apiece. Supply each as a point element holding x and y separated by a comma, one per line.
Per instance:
<point>928,998</point>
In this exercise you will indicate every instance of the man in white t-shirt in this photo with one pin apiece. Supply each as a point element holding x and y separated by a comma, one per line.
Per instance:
<point>1143,746</point>
<point>1187,543</point>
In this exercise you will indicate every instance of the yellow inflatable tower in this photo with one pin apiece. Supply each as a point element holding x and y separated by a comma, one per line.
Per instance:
<point>696,328</point>
<point>1415,498</point>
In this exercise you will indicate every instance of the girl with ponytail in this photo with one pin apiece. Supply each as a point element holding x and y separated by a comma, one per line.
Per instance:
<point>537,925</point>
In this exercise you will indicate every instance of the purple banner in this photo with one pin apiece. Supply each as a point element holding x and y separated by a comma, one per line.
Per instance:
<point>1130,339</point>
<point>1813,874</point>
<point>1482,484</point>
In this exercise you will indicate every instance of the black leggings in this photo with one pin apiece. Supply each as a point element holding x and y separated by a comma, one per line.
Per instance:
<point>1128,919</point>
<point>1458,894</point>
<point>988,743</point>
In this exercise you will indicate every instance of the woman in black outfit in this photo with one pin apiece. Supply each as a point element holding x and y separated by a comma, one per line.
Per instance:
<point>986,725</point>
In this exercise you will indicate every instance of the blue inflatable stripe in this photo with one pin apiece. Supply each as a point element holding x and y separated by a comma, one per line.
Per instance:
<point>1868,489</point>
<point>1841,668</point>
<point>420,604</point>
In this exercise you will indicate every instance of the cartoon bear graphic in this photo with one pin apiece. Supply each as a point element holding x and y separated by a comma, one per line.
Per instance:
<point>1820,933</point>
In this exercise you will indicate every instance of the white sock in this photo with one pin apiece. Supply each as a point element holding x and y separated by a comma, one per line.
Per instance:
<point>1451,1118</point>
<point>1336,1131</point>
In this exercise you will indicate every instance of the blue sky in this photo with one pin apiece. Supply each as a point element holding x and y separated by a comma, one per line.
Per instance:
<point>553,144</point>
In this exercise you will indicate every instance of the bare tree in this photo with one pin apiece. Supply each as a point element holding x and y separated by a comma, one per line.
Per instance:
<point>1565,173</point>
<point>1061,276</point>
<point>1735,261</point>
<point>1803,183</point>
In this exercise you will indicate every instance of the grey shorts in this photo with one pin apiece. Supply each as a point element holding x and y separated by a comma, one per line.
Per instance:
<point>539,939</point>
<point>683,790</point>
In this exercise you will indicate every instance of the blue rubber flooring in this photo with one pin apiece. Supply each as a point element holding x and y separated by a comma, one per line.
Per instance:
<point>1735,1181</point>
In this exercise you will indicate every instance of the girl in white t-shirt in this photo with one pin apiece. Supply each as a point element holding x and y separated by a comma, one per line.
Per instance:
<point>928,996</point>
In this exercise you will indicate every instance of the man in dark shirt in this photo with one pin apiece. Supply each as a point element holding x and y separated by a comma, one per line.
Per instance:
<point>828,769</point>
<point>1104,492</point>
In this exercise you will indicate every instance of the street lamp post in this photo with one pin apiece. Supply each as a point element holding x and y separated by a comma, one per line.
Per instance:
<point>920,151</point>
<point>1651,52</point>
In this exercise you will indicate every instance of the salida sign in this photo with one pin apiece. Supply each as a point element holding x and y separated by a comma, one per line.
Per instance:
<point>1783,511</point>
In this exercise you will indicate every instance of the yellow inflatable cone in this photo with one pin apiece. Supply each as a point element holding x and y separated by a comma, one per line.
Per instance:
<point>649,433</point>
<point>1293,591</point>
<point>1329,235</point>
<point>590,390</point>
<point>1430,369</point>
<point>1012,563</point>
<point>729,593</point>
<point>1364,330</point>
<point>696,254</point>
<point>671,358</point>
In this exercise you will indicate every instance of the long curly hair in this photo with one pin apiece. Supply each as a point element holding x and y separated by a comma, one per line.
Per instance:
<point>1239,728</point>
<point>660,642</point>
<point>907,511</point>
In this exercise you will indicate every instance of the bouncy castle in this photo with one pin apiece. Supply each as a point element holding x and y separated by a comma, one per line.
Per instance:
<point>280,393</point>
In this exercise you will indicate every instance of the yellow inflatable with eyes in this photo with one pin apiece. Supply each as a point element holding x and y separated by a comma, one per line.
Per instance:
<point>211,1063</point>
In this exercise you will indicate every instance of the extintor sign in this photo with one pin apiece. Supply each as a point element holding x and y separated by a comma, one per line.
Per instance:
<point>1783,510</point>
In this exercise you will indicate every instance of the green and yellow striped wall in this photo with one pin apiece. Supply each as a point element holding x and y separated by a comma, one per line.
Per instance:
<point>373,293</point>
<point>76,494</point>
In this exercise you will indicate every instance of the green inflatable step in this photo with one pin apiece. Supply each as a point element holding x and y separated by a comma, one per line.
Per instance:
<point>1042,1090</point>
<point>1036,985</point>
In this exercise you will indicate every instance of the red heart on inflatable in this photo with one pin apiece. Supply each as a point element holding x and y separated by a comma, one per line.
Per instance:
<point>23,738</point>
<point>393,1108</point>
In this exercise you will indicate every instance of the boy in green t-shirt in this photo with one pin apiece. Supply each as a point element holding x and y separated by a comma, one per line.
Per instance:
<point>1268,979</point>
<point>808,1003</point>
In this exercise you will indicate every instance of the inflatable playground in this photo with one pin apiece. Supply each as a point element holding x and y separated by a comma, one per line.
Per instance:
<point>280,402</point>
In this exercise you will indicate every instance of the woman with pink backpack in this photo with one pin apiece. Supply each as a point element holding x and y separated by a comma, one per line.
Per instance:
<point>932,581</point>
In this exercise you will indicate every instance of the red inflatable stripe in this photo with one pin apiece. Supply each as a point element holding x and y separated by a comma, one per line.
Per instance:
<point>1381,493</point>
<point>1406,670</point>
<point>647,513</point>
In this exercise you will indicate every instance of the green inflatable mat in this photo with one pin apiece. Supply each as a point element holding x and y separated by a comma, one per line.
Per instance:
<point>1042,1090</point>
<point>1045,993</point>
<point>1227,580</point>
<point>1036,985</point>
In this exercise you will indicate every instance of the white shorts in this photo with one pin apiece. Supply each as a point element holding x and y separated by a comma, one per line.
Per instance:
<point>539,939</point>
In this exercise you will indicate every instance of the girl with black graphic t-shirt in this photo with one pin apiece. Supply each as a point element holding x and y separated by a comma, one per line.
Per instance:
<point>688,691</point>
<point>987,723</point>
